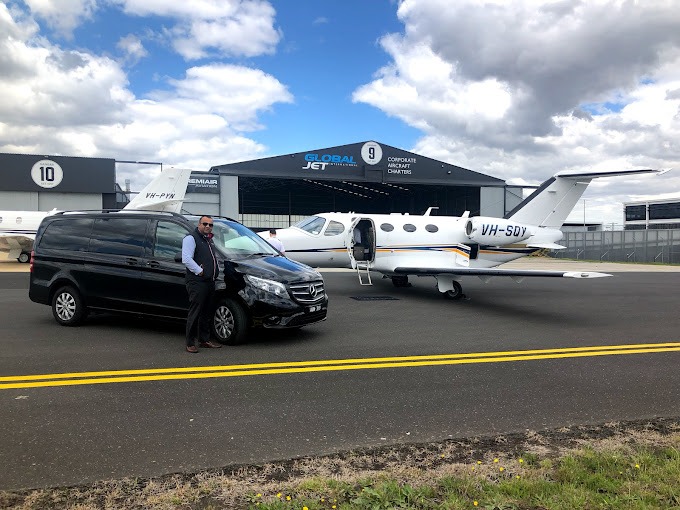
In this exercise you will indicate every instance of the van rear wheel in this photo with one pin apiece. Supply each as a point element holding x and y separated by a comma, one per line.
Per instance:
<point>68,307</point>
<point>229,324</point>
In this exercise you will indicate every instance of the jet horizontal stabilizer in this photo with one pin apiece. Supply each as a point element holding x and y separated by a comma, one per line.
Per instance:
<point>549,246</point>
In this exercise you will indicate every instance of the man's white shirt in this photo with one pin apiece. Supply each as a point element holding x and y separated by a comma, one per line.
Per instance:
<point>276,244</point>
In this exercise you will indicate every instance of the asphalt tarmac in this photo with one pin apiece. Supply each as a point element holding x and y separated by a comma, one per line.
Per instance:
<point>546,353</point>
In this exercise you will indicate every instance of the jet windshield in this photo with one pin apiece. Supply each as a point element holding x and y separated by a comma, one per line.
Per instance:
<point>238,242</point>
<point>311,224</point>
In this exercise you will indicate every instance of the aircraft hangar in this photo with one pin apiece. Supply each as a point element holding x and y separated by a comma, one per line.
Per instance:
<point>277,191</point>
<point>365,177</point>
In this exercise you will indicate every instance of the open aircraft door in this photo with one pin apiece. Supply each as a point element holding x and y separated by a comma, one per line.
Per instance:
<point>361,247</point>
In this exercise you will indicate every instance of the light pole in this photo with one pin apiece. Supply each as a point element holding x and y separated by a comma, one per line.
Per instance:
<point>585,229</point>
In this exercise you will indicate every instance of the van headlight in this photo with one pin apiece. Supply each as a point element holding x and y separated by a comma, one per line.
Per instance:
<point>268,286</point>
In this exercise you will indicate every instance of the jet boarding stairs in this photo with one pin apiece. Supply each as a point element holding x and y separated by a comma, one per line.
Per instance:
<point>362,267</point>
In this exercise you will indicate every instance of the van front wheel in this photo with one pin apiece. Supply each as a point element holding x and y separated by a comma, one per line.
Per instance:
<point>229,324</point>
<point>68,307</point>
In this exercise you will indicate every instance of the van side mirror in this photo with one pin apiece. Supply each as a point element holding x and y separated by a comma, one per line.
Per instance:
<point>178,256</point>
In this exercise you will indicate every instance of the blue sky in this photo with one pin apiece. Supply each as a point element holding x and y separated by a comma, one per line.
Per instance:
<point>517,89</point>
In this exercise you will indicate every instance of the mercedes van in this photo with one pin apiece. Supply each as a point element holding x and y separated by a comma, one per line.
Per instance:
<point>130,262</point>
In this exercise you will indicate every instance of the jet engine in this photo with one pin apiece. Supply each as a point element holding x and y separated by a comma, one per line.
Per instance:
<point>496,231</point>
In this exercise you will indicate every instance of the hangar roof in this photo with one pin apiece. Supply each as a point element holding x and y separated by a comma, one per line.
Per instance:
<point>364,161</point>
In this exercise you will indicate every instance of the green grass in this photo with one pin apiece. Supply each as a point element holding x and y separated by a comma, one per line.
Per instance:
<point>613,466</point>
<point>638,478</point>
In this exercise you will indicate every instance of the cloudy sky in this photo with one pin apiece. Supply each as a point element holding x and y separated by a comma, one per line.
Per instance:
<point>515,89</point>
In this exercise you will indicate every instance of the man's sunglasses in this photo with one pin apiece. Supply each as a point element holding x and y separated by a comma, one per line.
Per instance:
<point>207,224</point>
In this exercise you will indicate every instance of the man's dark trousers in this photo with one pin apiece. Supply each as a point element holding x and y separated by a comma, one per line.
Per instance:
<point>201,294</point>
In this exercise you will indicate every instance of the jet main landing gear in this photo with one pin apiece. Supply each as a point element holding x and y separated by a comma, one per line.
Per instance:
<point>400,281</point>
<point>451,289</point>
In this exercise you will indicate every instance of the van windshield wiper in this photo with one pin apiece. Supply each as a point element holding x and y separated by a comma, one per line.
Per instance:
<point>259,254</point>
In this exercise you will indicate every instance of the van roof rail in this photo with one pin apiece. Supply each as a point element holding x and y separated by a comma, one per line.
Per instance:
<point>109,211</point>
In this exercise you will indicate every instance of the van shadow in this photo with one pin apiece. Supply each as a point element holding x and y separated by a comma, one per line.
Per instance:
<point>261,337</point>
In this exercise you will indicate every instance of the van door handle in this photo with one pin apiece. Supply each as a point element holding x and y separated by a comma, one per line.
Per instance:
<point>154,264</point>
<point>131,262</point>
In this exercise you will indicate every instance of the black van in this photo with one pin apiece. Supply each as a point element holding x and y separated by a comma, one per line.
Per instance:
<point>131,262</point>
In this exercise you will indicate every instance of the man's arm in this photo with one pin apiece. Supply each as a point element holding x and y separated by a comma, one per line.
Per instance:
<point>188,249</point>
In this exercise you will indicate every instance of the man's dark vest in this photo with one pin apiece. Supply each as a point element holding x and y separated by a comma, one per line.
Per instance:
<point>204,256</point>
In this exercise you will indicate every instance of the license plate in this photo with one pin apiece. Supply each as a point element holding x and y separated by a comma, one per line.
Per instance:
<point>315,308</point>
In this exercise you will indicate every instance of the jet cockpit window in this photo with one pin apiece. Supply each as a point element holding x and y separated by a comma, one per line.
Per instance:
<point>386,227</point>
<point>334,228</point>
<point>431,228</point>
<point>409,227</point>
<point>313,224</point>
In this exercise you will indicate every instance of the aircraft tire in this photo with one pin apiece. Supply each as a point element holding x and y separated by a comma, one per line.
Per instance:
<point>456,293</point>
<point>24,257</point>
<point>400,281</point>
<point>68,307</point>
<point>230,323</point>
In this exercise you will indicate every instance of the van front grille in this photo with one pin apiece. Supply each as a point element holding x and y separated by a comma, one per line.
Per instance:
<point>308,292</point>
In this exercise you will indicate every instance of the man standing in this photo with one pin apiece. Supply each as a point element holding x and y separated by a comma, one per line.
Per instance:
<point>198,255</point>
<point>276,242</point>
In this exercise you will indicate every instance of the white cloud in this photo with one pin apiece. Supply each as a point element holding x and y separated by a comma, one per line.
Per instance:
<point>204,28</point>
<point>80,104</point>
<point>523,89</point>
<point>133,48</point>
<point>63,15</point>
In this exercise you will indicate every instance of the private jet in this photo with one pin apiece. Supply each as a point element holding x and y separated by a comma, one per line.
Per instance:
<point>444,247</point>
<point>164,193</point>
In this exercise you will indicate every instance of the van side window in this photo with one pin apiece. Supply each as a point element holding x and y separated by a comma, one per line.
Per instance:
<point>334,228</point>
<point>168,239</point>
<point>71,235</point>
<point>119,236</point>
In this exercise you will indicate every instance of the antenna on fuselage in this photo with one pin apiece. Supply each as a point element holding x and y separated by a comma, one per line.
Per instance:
<point>429,210</point>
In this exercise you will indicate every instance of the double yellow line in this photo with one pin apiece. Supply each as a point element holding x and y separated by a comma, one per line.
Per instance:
<point>296,367</point>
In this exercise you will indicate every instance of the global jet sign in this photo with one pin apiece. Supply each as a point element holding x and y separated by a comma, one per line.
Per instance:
<point>320,161</point>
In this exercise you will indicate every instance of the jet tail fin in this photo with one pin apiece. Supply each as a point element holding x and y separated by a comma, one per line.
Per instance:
<point>165,193</point>
<point>554,200</point>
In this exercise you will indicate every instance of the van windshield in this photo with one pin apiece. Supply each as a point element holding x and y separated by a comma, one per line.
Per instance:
<point>236,241</point>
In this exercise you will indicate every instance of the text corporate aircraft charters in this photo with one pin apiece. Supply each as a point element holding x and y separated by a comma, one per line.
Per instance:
<point>165,193</point>
<point>444,247</point>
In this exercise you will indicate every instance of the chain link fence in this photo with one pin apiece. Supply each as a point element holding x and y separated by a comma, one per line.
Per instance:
<point>643,246</point>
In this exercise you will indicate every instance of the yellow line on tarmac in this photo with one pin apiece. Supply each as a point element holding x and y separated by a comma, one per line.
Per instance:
<point>160,374</point>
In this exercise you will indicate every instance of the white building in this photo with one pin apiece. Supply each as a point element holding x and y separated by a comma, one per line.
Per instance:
<point>652,214</point>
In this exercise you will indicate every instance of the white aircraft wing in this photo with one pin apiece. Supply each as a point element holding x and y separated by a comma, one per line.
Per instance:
<point>14,244</point>
<point>495,271</point>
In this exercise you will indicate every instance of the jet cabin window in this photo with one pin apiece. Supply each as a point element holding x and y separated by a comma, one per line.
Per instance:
<point>409,227</point>
<point>386,227</point>
<point>431,228</point>
<point>313,224</point>
<point>334,228</point>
